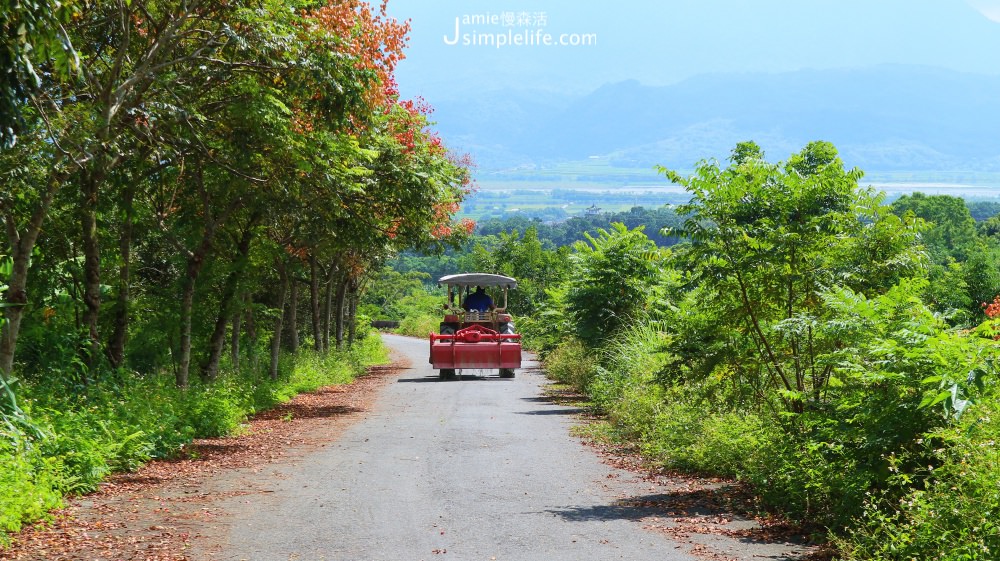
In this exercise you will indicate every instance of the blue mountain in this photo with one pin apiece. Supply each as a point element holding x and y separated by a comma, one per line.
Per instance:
<point>882,119</point>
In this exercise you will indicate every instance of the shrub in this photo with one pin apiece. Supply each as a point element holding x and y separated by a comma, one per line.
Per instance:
<point>215,410</point>
<point>953,515</point>
<point>419,325</point>
<point>614,273</point>
<point>571,364</point>
<point>27,493</point>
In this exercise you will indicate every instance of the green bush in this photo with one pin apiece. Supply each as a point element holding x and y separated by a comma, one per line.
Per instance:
<point>215,410</point>
<point>79,450</point>
<point>730,444</point>
<point>572,364</point>
<point>611,288</point>
<point>953,515</point>
<point>546,329</point>
<point>419,325</point>
<point>27,493</point>
<point>638,408</point>
<point>808,480</point>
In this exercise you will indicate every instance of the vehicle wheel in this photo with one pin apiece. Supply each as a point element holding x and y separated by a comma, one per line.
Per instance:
<point>447,329</point>
<point>507,329</point>
<point>506,372</point>
<point>447,374</point>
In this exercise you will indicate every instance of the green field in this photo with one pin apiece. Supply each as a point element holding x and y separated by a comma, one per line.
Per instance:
<point>558,204</point>
<point>562,190</point>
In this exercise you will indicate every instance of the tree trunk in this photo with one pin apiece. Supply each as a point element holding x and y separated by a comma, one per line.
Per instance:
<point>328,306</point>
<point>352,315</point>
<point>293,315</point>
<point>251,322</point>
<point>210,370</point>
<point>195,263</point>
<point>16,299</point>
<point>314,303</point>
<point>234,341</point>
<point>276,338</point>
<point>216,341</point>
<point>22,244</point>
<point>91,270</point>
<point>187,304</point>
<point>339,311</point>
<point>116,345</point>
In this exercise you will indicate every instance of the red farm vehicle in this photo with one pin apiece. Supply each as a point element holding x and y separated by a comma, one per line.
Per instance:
<point>476,333</point>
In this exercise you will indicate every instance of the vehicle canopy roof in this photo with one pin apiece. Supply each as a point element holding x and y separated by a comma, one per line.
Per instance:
<point>478,279</point>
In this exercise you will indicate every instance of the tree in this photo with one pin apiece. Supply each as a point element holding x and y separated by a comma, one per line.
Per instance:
<point>31,35</point>
<point>767,240</point>
<point>32,175</point>
<point>616,273</point>
<point>206,162</point>
<point>952,230</point>
<point>525,258</point>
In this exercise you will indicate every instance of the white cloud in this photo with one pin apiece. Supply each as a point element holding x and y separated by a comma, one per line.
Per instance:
<point>989,8</point>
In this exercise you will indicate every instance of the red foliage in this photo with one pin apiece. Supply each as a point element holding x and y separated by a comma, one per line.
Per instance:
<point>301,253</point>
<point>992,310</point>
<point>443,227</point>
<point>409,126</point>
<point>465,162</point>
<point>370,37</point>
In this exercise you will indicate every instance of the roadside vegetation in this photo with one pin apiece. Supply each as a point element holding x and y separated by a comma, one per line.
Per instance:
<point>66,443</point>
<point>835,352</point>
<point>193,199</point>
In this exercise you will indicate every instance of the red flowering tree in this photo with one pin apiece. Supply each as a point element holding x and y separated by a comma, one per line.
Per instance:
<point>369,177</point>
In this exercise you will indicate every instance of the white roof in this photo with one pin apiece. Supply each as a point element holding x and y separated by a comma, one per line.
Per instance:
<point>478,279</point>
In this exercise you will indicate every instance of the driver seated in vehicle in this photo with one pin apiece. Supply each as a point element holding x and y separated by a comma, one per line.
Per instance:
<point>478,301</point>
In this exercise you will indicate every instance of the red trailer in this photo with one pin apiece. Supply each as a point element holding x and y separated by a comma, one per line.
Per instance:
<point>471,338</point>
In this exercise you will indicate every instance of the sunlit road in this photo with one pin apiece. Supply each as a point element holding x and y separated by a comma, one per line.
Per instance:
<point>480,468</point>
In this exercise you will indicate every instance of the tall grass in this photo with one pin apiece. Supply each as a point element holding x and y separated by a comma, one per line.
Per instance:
<point>419,325</point>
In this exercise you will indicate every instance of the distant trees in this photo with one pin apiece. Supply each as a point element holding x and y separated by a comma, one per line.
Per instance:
<point>963,257</point>
<point>523,256</point>
<point>571,230</point>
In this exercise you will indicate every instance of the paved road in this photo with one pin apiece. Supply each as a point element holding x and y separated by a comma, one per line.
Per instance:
<point>475,469</point>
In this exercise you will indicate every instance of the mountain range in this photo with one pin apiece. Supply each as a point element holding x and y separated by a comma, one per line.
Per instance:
<point>890,118</point>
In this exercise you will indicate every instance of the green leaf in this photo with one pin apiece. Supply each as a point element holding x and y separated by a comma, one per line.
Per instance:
<point>930,400</point>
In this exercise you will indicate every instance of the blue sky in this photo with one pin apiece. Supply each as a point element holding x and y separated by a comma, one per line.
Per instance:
<point>664,42</point>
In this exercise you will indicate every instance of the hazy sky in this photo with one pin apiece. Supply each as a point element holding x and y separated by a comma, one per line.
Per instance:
<point>664,42</point>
